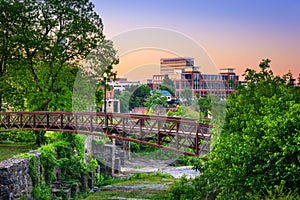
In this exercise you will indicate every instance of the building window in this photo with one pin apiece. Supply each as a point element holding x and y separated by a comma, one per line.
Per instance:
<point>188,76</point>
<point>177,84</point>
<point>231,77</point>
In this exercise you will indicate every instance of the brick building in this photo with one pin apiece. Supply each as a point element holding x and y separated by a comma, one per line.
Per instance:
<point>186,76</point>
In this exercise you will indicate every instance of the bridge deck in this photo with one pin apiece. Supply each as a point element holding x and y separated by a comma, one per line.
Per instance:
<point>171,133</point>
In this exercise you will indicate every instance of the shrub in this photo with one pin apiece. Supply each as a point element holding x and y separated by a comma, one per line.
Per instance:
<point>183,190</point>
<point>42,191</point>
<point>258,149</point>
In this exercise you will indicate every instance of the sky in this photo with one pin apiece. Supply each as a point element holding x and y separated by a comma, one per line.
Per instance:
<point>217,33</point>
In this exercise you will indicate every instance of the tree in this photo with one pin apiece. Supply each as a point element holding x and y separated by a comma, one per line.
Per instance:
<point>156,103</point>
<point>44,43</point>
<point>168,85</point>
<point>139,96</point>
<point>258,149</point>
<point>187,96</point>
<point>134,96</point>
<point>9,54</point>
<point>124,101</point>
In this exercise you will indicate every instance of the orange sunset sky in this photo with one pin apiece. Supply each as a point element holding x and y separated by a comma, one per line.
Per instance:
<point>217,34</point>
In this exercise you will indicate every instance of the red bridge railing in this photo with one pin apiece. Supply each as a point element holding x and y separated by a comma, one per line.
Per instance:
<point>171,133</point>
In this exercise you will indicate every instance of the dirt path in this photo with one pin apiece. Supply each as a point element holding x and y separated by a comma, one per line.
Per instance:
<point>152,187</point>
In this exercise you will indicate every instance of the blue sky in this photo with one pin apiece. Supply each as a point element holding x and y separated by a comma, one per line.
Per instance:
<point>235,33</point>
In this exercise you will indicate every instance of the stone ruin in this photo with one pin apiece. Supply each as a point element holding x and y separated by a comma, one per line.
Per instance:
<point>16,182</point>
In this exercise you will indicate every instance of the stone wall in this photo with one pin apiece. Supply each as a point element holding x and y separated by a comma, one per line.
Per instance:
<point>15,179</point>
<point>16,182</point>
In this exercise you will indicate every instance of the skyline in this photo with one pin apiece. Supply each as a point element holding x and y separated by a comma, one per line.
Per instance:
<point>236,34</point>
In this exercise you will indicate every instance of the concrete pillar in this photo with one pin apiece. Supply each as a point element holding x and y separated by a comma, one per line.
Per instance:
<point>117,168</point>
<point>113,157</point>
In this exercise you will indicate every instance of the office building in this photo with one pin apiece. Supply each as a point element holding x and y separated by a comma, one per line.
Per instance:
<point>186,76</point>
<point>174,65</point>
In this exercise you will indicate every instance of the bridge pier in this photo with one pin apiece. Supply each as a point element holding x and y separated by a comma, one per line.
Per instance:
<point>125,146</point>
<point>113,160</point>
<point>111,156</point>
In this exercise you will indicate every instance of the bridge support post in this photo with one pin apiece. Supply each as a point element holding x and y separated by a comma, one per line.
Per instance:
<point>113,157</point>
<point>129,151</point>
<point>126,148</point>
<point>197,142</point>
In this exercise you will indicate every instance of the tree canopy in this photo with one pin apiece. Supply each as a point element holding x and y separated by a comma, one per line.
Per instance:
<point>259,146</point>
<point>44,44</point>
<point>168,85</point>
<point>156,103</point>
<point>139,96</point>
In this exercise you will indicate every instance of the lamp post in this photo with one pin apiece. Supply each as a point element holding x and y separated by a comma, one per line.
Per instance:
<point>105,102</point>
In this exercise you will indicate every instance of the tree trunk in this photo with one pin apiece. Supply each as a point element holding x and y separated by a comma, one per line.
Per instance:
<point>1,111</point>
<point>40,138</point>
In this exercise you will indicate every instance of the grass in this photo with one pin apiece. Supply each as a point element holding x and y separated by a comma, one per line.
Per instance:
<point>10,150</point>
<point>139,167</point>
<point>139,186</point>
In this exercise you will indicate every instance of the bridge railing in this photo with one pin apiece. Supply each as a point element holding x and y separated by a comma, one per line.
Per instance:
<point>173,133</point>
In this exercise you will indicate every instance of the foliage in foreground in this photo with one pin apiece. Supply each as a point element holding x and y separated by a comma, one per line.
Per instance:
<point>183,190</point>
<point>194,189</point>
<point>257,153</point>
<point>138,186</point>
<point>67,153</point>
<point>42,51</point>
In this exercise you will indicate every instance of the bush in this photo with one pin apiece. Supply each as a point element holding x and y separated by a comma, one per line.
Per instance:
<point>183,190</point>
<point>278,194</point>
<point>258,149</point>
<point>48,162</point>
<point>18,137</point>
<point>42,192</point>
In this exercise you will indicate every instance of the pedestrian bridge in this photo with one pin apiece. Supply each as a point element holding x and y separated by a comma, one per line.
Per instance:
<point>183,135</point>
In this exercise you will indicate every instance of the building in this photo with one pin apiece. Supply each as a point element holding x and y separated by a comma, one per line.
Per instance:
<point>164,93</point>
<point>173,65</point>
<point>186,76</point>
<point>121,83</point>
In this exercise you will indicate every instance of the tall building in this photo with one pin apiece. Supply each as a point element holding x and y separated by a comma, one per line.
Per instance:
<point>186,76</point>
<point>173,65</point>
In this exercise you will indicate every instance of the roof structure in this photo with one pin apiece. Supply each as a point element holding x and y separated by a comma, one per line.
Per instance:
<point>163,92</point>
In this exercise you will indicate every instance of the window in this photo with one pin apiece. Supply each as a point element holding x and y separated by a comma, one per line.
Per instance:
<point>188,76</point>
<point>231,77</point>
<point>177,84</point>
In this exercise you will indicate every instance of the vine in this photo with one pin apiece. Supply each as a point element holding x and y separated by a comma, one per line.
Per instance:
<point>48,162</point>
<point>32,167</point>
<point>67,153</point>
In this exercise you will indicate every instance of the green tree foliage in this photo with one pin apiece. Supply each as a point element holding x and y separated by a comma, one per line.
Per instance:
<point>187,96</point>
<point>139,96</point>
<point>205,105</point>
<point>124,101</point>
<point>156,103</point>
<point>168,85</point>
<point>133,96</point>
<point>98,68</point>
<point>182,190</point>
<point>43,44</point>
<point>258,150</point>
<point>47,41</point>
